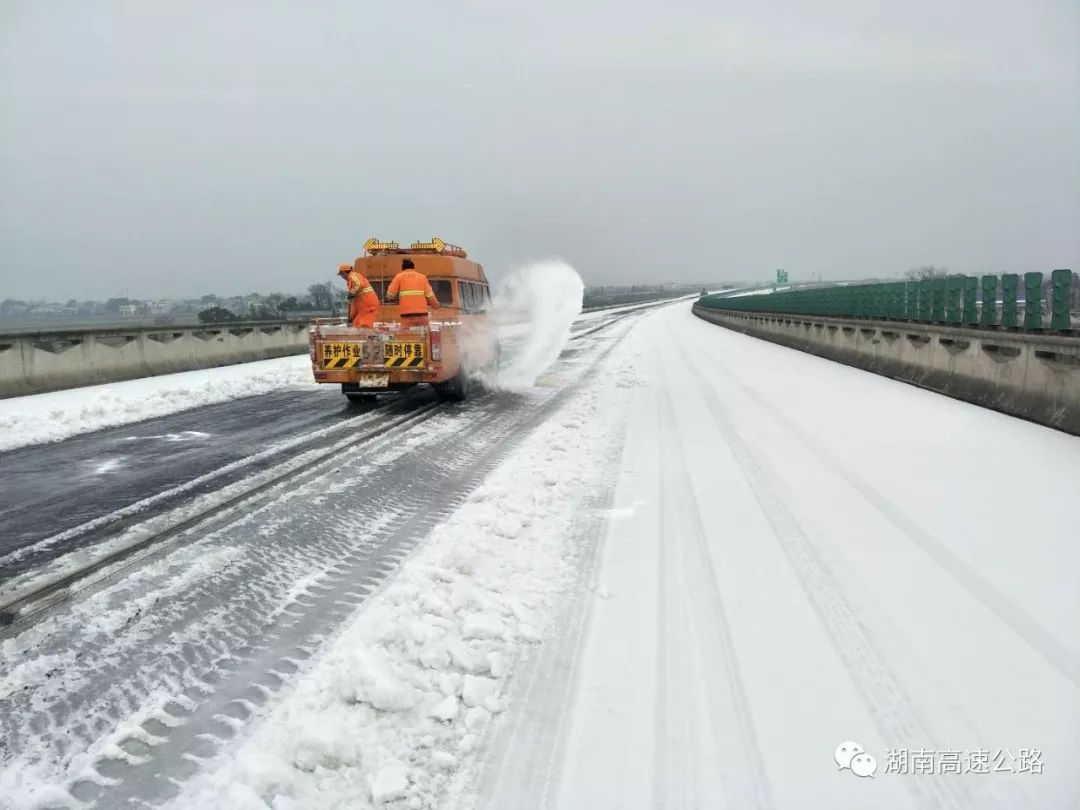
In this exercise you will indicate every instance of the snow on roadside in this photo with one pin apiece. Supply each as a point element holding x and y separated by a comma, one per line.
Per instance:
<point>57,415</point>
<point>408,693</point>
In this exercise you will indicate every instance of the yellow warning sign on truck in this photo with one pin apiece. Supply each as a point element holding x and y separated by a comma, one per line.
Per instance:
<point>399,354</point>
<point>341,355</point>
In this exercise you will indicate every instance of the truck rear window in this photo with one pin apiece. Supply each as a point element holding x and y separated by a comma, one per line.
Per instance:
<point>440,286</point>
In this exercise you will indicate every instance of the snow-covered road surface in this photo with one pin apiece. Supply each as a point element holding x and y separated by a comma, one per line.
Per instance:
<point>802,554</point>
<point>681,582</point>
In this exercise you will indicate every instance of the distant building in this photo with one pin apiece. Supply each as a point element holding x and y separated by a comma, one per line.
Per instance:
<point>159,307</point>
<point>129,309</point>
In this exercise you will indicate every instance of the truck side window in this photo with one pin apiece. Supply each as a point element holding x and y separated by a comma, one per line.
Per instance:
<point>441,288</point>
<point>479,302</point>
<point>479,305</point>
<point>468,296</point>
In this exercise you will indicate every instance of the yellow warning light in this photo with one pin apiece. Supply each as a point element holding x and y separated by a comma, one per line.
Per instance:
<point>373,245</point>
<point>437,245</point>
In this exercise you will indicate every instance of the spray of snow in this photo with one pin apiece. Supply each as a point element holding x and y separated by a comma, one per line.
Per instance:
<point>536,306</point>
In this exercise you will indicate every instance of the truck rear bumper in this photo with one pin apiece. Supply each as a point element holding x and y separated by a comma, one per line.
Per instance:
<point>396,378</point>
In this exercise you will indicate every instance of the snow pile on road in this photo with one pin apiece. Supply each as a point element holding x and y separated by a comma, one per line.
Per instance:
<point>398,707</point>
<point>542,300</point>
<point>58,415</point>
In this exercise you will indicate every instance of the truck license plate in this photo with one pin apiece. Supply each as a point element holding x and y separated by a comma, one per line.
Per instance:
<point>373,380</point>
<point>401,354</point>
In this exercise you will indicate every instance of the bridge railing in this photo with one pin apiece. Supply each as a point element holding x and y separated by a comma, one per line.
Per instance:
<point>958,299</point>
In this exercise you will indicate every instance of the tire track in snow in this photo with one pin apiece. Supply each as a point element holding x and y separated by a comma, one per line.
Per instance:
<point>545,681</point>
<point>1022,623</point>
<point>689,581</point>
<point>267,664</point>
<point>885,697</point>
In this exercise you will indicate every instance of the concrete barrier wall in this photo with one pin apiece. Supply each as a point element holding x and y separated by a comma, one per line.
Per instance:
<point>31,363</point>
<point>1031,375</point>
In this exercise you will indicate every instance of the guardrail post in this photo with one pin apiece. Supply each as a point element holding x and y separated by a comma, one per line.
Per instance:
<point>937,304</point>
<point>988,317</point>
<point>1010,282</point>
<point>971,289</point>
<point>1033,301</point>
<point>1061,287</point>
<point>953,286</point>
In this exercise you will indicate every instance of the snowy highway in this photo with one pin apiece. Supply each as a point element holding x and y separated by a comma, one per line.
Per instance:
<point>678,569</point>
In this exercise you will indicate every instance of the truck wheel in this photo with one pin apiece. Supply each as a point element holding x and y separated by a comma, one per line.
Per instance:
<point>455,389</point>
<point>358,397</point>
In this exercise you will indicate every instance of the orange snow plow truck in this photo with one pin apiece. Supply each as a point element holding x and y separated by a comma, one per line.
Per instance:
<point>460,338</point>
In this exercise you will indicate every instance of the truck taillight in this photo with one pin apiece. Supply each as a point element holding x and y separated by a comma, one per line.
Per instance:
<point>436,345</point>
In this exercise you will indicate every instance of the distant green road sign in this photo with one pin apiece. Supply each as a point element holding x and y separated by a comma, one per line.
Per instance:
<point>781,277</point>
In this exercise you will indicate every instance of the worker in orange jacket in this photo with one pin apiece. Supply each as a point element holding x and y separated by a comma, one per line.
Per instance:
<point>414,294</point>
<point>363,302</point>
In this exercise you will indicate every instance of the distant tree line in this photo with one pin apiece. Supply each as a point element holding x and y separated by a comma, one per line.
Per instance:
<point>321,297</point>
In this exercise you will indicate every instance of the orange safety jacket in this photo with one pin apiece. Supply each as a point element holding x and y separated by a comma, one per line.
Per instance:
<point>359,287</point>
<point>413,291</point>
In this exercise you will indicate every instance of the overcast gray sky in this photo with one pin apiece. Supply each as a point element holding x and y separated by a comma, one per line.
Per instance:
<point>169,149</point>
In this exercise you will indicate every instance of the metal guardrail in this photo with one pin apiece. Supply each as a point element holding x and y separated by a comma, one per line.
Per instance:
<point>957,299</point>
<point>116,328</point>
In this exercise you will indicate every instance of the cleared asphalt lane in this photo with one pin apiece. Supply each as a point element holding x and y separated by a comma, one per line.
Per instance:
<point>54,488</point>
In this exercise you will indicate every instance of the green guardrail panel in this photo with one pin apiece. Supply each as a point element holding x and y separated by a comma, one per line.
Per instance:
<point>911,301</point>
<point>1033,301</point>
<point>1060,298</point>
<point>1010,284</point>
<point>926,298</point>
<point>953,288</point>
<point>937,303</point>
<point>971,292</point>
<point>988,316</point>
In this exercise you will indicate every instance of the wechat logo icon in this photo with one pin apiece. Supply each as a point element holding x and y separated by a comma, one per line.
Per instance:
<point>853,757</point>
